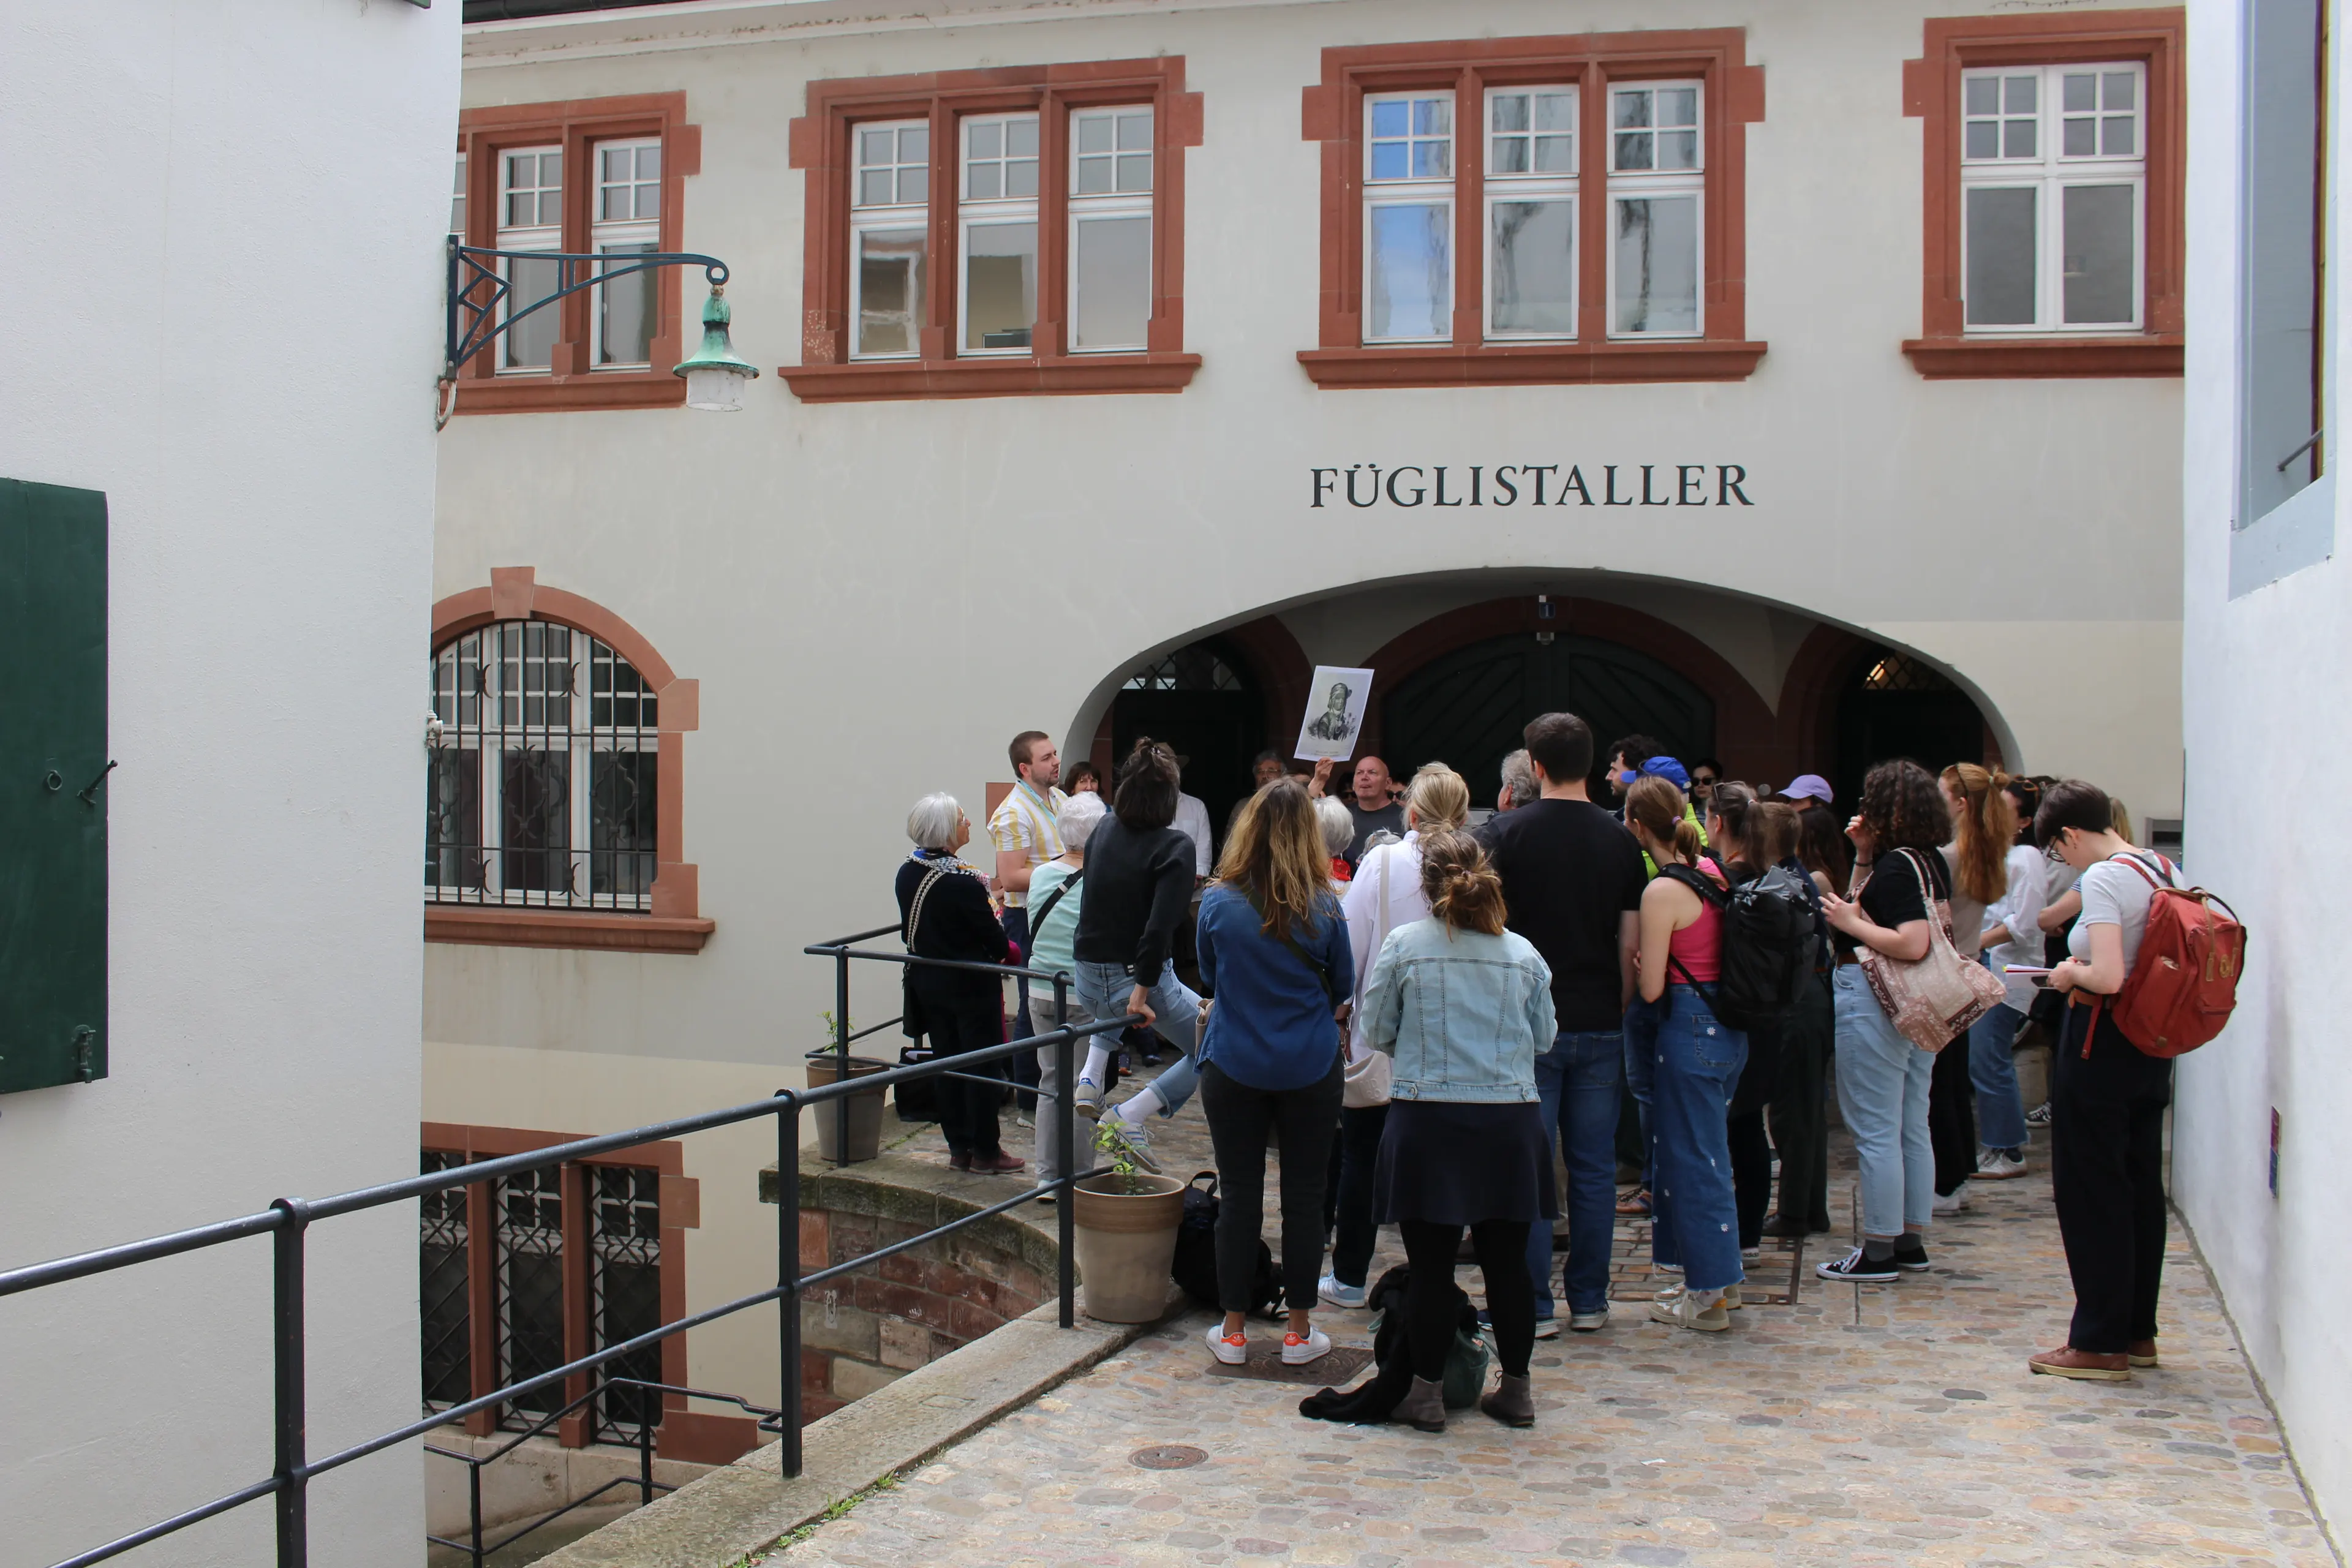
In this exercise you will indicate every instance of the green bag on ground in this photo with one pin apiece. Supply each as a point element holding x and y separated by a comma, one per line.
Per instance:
<point>1465,1371</point>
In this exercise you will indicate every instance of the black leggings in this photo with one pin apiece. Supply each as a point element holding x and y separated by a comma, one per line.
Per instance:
<point>1502,1249</point>
<point>1239,1116</point>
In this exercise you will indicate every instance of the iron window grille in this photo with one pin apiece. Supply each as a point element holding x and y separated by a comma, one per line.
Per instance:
<point>527,1250</point>
<point>625,1293</point>
<point>543,784</point>
<point>1900,672</point>
<point>1187,669</point>
<point>444,1279</point>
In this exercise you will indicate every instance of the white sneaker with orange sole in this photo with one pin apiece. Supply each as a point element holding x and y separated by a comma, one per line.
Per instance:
<point>1231,1348</point>
<point>1298,1351</point>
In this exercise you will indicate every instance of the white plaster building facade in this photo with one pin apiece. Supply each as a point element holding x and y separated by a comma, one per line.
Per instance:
<point>222,311</point>
<point>2268,606</point>
<point>1833,473</point>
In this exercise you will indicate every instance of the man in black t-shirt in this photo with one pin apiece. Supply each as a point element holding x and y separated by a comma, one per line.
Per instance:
<point>1372,804</point>
<point>1573,880</point>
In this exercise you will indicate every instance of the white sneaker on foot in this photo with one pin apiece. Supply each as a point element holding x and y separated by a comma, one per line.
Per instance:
<point>1587,1322</point>
<point>1088,1099</point>
<point>1683,1311</point>
<point>1995,1166</point>
<point>1231,1348</point>
<point>1297,1351</point>
<point>1339,1295</point>
<point>1955,1202</point>
<point>1136,1138</point>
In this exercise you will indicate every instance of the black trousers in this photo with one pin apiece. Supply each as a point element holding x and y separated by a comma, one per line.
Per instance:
<point>1239,1116</point>
<point>1430,1304</point>
<point>1751,1153</point>
<point>1952,1118</point>
<point>2106,1173</point>
<point>968,1110</point>
<point>1022,1068</point>
<point>1360,1152</point>
<point>1799,1112</point>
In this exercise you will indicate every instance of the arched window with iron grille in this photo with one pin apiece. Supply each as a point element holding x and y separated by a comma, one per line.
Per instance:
<point>543,784</point>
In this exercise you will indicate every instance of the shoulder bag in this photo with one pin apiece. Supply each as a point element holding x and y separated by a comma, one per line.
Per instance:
<point>1932,1000</point>
<point>1368,1077</point>
<point>912,1022</point>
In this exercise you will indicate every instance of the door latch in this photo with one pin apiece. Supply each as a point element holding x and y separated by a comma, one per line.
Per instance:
<point>88,792</point>
<point>84,1049</point>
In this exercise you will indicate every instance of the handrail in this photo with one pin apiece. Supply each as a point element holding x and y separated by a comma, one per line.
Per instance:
<point>288,1220</point>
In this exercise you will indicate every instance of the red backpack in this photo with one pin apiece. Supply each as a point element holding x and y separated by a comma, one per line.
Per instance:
<point>2184,984</point>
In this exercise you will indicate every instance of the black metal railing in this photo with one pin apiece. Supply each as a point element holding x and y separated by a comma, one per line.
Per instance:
<point>475,1547</point>
<point>286,1222</point>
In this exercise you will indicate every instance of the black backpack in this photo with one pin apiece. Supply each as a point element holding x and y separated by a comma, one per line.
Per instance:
<point>1194,1268</point>
<point>1769,944</point>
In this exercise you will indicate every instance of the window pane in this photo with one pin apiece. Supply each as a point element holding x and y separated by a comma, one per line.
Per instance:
<point>535,813</point>
<point>1510,111</point>
<point>1555,111</point>
<point>1432,117</point>
<point>2122,136</point>
<point>1678,150</point>
<point>874,188</point>
<point>874,147</point>
<point>1532,246</point>
<point>1510,154</point>
<point>2082,138</point>
<point>983,181</point>
<point>1412,283</point>
<point>2000,245</point>
<point>1094,174</point>
<point>987,139</point>
<point>915,144</point>
<point>2122,89</point>
<point>1633,109</point>
<point>2022,93</point>
<point>1388,160</point>
<point>458,200</point>
<point>531,342</point>
<point>1135,131</point>
<point>625,332</point>
<point>452,817</point>
<point>890,290</point>
<point>1021,138</point>
<point>1980,95</point>
<point>1633,150</point>
<point>1432,159</point>
<point>1657,264</point>
<point>1021,177</point>
<point>2097,252</point>
<point>1678,106</point>
<point>914,185</point>
<point>1113,282</point>
<point>1093,132</point>
<point>2017,139</point>
<point>1983,138</point>
<point>2081,91</point>
<point>999,301</point>
<point>1391,117</point>
<point>1134,170</point>
<point>1555,154</point>
<point>621,817</point>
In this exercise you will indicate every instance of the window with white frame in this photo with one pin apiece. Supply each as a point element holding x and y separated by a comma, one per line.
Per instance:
<point>1532,212</point>
<point>889,237</point>
<point>542,783</point>
<point>996,223</point>
<point>1409,217</point>
<point>1656,209</point>
<point>2054,186</point>
<point>457,202</point>
<point>1110,229</point>
<point>626,222</point>
<point>530,217</point>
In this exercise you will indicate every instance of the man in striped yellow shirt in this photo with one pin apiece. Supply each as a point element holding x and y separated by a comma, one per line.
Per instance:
<point>1024,830</point>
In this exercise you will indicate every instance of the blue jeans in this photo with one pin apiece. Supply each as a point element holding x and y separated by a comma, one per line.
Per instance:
<point>2001,1114</point>
<point>1882,1083</point>
<point>1694,1065</point>
<point>1102,990</point>
<point>1641,1054</point>
<point>1578,1081</point>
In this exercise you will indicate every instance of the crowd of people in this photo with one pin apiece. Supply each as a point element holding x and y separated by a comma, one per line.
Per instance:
<point>1417,1016</point>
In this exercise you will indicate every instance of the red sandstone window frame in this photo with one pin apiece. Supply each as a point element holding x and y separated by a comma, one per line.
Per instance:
<point>673,923</point>
<point>822,148</point>
<point>684,1433</point>
<point>577,125</point>
<point>1333,115</point>
<point>2156,39</point>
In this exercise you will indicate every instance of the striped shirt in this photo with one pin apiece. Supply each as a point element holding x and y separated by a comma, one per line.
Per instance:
<point>1024,821</point>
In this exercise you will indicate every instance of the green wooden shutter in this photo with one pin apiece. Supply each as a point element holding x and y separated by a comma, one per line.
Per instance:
<point>52,786</point>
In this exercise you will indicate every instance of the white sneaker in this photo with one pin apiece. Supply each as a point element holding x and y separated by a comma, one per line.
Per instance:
<point>1998,1167</point>
<point>1587,1322</point>
<point>1232,1349</point>
<point>1339,1295</point>
<point>1088,1099</point>
<point>1297,1351</point>
<point>1683,1312</point>
<point>1954,1204</point>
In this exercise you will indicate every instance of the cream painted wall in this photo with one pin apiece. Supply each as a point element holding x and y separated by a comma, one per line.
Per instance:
<point>222,306</point>
<point>2267,678</point>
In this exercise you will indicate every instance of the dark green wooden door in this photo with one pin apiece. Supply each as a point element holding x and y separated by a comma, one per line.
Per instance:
<point>52,786</point>
<point>1467,707</point>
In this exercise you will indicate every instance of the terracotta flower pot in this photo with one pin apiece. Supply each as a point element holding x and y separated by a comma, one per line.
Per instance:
<point>1126,1231</point>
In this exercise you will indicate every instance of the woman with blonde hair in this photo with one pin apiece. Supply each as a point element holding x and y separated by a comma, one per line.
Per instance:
<point>2010,936</point>
<point>1696,1060</point>
<point>1460,1005</point>
<point>1984,825</point>
<point>1385,894</point>
<point>1274,951</point>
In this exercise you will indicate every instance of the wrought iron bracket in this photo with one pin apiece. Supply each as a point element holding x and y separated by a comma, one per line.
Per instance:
<point>481,297</point>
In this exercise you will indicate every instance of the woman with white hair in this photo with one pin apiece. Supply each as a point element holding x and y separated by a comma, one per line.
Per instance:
<point>1054,889</point>
<point>944,911</point>
<point>1339,830</point>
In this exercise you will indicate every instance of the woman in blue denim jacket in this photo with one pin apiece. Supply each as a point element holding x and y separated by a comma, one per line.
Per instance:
<point>1462,1004</point>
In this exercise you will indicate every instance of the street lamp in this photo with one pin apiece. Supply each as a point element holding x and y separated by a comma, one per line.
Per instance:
<point>481,306</point>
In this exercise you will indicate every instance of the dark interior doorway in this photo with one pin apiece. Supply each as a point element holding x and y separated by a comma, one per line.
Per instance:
<point>1895,706</point>
<point>1204,701</point>
<point>1467,707</point>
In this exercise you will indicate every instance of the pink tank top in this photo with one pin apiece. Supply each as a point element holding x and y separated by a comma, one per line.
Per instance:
<point>1697,948</point>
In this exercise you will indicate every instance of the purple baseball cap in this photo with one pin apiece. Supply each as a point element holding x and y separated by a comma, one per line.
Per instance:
<point>1808,786</point>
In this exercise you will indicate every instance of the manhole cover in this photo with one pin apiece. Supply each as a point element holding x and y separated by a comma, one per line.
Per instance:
<point>1168,1457</point>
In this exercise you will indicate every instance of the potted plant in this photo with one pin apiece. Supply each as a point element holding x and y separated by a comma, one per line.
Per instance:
<point>865,1107</point>
<point>1125,1224</point>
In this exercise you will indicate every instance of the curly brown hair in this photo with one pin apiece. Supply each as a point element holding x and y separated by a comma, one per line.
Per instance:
<point>1903,808</point>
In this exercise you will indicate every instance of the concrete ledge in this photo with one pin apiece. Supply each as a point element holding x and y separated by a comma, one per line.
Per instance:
<point>914,1190</point>
<point>742,1509</point>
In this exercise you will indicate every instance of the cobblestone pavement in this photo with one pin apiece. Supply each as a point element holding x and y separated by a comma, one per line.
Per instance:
<point>1863,1425</point>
